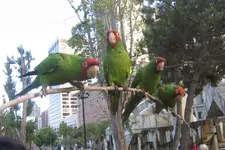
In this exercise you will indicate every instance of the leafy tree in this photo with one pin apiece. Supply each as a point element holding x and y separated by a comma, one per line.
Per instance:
<point>45,137</point>
<point>10,84</point>
<point>66,132</point>
<point>10,124</point>
<point>189,34</point>
<point>88,36</point>
<point>23,63</point>
<point>30,128</point>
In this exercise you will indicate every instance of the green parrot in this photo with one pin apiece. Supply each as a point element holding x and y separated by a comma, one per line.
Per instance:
<point>116,66</point>
<point>147,78</point>
<point>60,68</point>
<point>169,94</point>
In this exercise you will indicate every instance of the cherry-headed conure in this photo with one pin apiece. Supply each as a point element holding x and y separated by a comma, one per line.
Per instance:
<point>60,68</point>
<point>116,66</point>
<point>169,94</point>
<point>147,78</point>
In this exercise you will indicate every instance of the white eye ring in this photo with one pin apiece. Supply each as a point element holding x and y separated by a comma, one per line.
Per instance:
<point>156,61</point>
<point>84,64</point>
<point>175,91</point>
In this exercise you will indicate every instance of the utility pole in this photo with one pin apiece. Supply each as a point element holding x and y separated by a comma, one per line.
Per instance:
<point>83,95</point>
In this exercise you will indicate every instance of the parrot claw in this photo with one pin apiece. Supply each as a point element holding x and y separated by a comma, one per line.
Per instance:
<point>44,92</point>
<point>115,88</point>
<point>143,90</point>
<point>125,87</point>
<point>78,84</point>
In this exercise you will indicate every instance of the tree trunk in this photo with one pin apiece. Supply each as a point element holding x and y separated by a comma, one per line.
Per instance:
<point>113,12</point>
<point>121,25</point>
<point>23,123</point>
<point>117,128</point>
<point>178,128</point>
<point>118,131</point>
<point>185,140</point>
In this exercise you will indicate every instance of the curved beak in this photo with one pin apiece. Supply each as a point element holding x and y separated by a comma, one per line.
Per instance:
<point>179,97</point>
<point>92,71</point>
<point>112,38</point>
<point>160,66</point>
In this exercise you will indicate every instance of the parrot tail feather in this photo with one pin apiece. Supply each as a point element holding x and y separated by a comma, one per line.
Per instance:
<point>114,97</point>
<point>131,105</point>
<point>30,87</point>
<point>29,74</point>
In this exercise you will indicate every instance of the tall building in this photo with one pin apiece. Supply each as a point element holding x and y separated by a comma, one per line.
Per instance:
<point>39,123</point>
<point>44,118</point>
<point>95,108</point>
<point>36,111</point>
<point>61,105</point>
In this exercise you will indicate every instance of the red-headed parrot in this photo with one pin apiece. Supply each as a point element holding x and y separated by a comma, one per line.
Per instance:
<point>116,66</point>
<point>60,68</point>
<point>147,78</point>
<point>169,94</point>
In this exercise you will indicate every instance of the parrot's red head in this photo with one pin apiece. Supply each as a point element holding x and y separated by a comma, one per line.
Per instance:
<point>112,37</point>
<point>179,93</point>
<point>160,62</point>
<point>90,67</point>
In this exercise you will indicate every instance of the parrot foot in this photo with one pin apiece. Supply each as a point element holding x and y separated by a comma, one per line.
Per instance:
<point>115,88</point>
<point>125,87</point>
<point>44,92</point>
<point>143,91</point>
<point>77,84</point>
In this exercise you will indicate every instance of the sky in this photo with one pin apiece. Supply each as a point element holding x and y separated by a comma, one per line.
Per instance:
<point>34,24</point>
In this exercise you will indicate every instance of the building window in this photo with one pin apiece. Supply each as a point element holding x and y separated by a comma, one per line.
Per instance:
<point>66,106</point>
<point>200,115</point>
<point>64,94</point>
<point>66,114</point>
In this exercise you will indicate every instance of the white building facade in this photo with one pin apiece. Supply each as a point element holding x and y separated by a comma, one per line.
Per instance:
<point>36,111</point>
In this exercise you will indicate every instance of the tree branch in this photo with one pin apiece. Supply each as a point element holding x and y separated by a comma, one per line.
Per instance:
<point>26,97</point>
<point>75,10</point>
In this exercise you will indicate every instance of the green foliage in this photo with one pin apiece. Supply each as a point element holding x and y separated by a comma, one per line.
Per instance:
<point>24,62</point>
<point>10,84</point>
<point>187,33</point>
<point>31,126</point>
<point>76,135</point>
<point>97,129</point>
<point>45,137</point>
<point>10,124</point>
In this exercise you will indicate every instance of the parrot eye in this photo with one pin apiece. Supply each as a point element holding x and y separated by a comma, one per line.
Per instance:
<point>117,34</point>
<point>156,61</point>
<point>84,64</point>
<point>175,91</point>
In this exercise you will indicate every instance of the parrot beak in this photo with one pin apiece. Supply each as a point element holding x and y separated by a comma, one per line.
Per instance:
<point>112,38</point>
<point>178,97</point>
<point>160,66</point>
<point>92,71</point>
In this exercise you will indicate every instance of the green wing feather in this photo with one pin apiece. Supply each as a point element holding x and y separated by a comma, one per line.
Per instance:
<point>147,79</point>
<point>56,69</point>
<point>51,63</point>
<point>116,66</point>
<point>165,94</point>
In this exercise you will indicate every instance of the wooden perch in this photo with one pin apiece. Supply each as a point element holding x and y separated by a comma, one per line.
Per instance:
<point>26,97</point>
